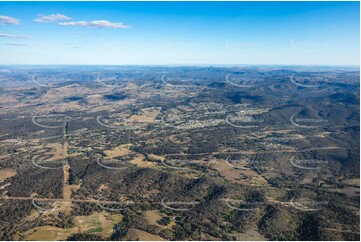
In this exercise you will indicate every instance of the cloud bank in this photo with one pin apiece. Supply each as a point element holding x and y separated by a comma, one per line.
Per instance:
<point>51,18</point>
<point>4,20</point>
<point>13,36</point>
<point>96,24</point>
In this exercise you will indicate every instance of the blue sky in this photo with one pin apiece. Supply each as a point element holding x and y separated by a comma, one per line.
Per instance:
<point>178,33</point>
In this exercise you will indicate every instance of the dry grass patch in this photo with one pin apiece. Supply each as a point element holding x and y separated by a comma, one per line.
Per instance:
<point>139,161</point>
<point>6,173</point>
<point>98,223</point>
<point>50,233</point>
<point>120,150</point>
<point>136,234</point>
<point>247,176</point>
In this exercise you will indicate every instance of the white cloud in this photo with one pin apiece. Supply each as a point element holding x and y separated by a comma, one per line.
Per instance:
<point>8,20</point>
<point>17,44</point>
<point>96,24</point>
<point>13,36</point>
<point>51,18</point>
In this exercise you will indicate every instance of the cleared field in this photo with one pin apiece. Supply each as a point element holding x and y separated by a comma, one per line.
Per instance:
<point>136,234</point>
<point>246,176</point>
<point>153,216</point>
<point>352,182</point>
<point>120,150</point>
<point>98,223</point>
<point>139,161</point>
<point>50,233</point>
<point>251,235</point>
<point>6,173</point>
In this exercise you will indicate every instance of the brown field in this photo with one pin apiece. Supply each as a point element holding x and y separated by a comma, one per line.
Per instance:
<point>251,235</point>
<point>352,182</point>
<point>136,234</point>
<point>235,175</point>
<point>120,150</point>
<point>348,191</point>
<point>155,157</point>
<point>6,173</point>
<point>50,233</point>
<point>139,161</point>
<point>98,223</point>
<point>67,189</point>
<point>153,216</point>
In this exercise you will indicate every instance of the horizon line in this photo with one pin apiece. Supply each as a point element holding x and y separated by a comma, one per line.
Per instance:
<point>209,64</point>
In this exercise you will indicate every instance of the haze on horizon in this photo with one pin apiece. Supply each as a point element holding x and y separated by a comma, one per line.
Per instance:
<point>176,33</point>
